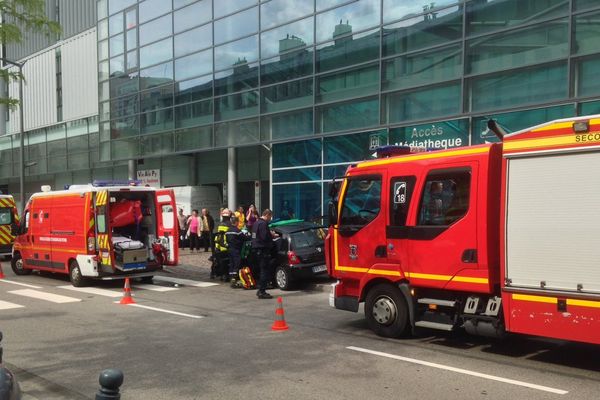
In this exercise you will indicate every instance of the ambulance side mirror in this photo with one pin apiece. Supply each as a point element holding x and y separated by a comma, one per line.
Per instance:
<point>333,213</point>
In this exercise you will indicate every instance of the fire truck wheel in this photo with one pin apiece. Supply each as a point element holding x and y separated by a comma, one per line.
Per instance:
<point>283,278</point>
<point>386,311</point>
<point>77,279</point>
<point>17,265</point>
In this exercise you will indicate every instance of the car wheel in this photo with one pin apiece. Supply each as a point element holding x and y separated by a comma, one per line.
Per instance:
<point>77,279</point>
<point>386,311</point>
<point>283,278</point>
<point>18,266</point>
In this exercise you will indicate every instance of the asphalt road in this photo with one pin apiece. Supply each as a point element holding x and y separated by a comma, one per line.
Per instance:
<point>220,346</point>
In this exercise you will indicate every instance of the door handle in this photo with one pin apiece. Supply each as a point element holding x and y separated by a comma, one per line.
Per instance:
<point>469,256</point>
<point>381,251</point>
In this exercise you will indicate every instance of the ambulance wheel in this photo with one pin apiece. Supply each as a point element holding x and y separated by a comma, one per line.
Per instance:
<point>386,311</point>
<point>17,265</point>
<point>283,278</point>
<point>77,279</point>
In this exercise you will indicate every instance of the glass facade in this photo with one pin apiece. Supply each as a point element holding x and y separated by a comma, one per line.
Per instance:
<point>325,81</point>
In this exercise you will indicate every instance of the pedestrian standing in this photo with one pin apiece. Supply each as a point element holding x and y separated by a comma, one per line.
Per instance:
<point>194,228</point>
<point>208,226</point>
<point>182,220</point>
<point>251,217</point>
<point>262,244</point>
<point>241,216</point>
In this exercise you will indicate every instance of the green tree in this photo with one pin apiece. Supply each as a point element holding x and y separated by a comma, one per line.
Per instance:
<point>18,17</point>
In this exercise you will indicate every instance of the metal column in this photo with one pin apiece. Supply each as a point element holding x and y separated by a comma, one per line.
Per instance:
<point>231,179</point>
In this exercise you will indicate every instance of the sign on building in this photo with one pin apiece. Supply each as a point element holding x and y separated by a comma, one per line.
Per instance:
<point>150,177</point>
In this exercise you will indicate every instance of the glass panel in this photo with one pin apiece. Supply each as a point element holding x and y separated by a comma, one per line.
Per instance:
<point>192,90</point>
<point>288,66</point>
<point>424,68</point>
<point>345,52</point>
<point>131,18</point>
<point>155,30</point>
<point>103,71</point>
<point>124,127</point>
<point>414,34</point>
<point>118,5</point>
<point>333,172</point>
<point>117,45</point>
<point>131,39</point>
<point>115,24</point>
<point>158,120</point>
<point>300,200</point>
<point>123,84</point>
<point>588,84</point>
<point>196,14</point>
<point>587,29</point>
<point>237,133</point>
<point>132,60</point>
<point>277,12</point>
<point>157,144</point>
<point>294,36</point>
<point>348,84</point>
<point>194,40</point>
<point>235,80</point>
<point>439,135</point>
<point>194,138</point>
<point>77,128</point>
<point>352,115</point>
<point>297,175</point>
<point>237,25</point>
<point>103,50</point>
<point>590,108</point>
<point>236,53</point>
<point>515,121</point>
<point>583,4</point>
<point>102,9</point>
<point>445,197</point>
<point>193,65</point>
<point>423,103</point>
<point>158,97</point>
<point>236,106</point>
<point>484,17</point>
<point>199,113</point>
<point>401,190</point>
<point>224,7</point>
<point>513,88</point>
<point>78,161</point>
<point>103,29</point>
<point>401,9</point>
<point>288,95</point>
<point>157,52</point>
<point>123,106</point>
<point>352,148</point>
<point>56,148</point>
<point>58,164</point>
<point>124,149</point>
<point>353,17</point>
<point>287,125</point>
<point>524,47</point>
<point>156,76</point>
<point>361,194</point>
<point>153,8</point>
<point>117,65</point>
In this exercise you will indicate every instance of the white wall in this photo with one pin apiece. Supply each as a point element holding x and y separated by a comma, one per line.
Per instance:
<point>80,76</point>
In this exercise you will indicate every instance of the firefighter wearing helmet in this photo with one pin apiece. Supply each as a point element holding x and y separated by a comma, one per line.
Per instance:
<point>221,268</point>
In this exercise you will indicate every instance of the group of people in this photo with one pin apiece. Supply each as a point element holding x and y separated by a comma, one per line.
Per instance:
<point>234,230</point>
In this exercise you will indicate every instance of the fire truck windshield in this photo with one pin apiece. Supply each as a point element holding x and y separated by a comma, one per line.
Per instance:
<point>362,201</point>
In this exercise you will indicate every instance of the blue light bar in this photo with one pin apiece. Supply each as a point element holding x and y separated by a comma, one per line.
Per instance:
<point>392,150</point>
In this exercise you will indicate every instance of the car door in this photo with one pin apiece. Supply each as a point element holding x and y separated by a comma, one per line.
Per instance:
<point>167,228</point>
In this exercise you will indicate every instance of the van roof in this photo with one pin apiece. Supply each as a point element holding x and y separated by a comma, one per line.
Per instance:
<point>91,188</point>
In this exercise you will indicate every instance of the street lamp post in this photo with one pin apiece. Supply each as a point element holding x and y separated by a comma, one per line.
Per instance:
<point>22,132</point>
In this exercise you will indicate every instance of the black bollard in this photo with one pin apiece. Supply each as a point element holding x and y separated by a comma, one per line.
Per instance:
<point>1,347</point>
<point>110,382</point>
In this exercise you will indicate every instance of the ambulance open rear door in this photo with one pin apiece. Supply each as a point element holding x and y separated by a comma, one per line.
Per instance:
<point>168,229</point>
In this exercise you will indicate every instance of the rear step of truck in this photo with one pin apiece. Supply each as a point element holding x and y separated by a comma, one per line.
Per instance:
<point>437,314</point>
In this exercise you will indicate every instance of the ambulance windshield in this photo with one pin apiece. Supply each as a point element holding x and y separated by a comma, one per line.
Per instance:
<point>5,216</point>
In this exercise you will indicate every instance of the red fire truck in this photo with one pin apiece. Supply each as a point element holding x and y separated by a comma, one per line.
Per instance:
<point>492,238</point>
<point>103,230</point>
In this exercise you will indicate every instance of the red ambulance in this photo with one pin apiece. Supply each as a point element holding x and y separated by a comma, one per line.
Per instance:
<point>492,238</point>
<point>103,230</point>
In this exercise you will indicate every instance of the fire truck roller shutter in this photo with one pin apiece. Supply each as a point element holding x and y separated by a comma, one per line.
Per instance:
<point>553,222</point>
<point>88,265</point>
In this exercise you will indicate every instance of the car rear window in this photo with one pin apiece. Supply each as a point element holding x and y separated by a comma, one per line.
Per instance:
<point>308,238</point>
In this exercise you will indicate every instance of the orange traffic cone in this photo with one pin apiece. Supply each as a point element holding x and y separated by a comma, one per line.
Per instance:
<point>1,273</point>
<point>127,299</point>
<point>279,324</point>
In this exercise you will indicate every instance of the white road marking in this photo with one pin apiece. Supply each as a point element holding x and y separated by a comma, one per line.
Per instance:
<point>461,371</point>
<point>186,282</point>
<point>154,288</point>
<point>5,305</point>
<point>164,311</point>
<point>20,284</point>
<point>54,298</point>
<point>92,290</point>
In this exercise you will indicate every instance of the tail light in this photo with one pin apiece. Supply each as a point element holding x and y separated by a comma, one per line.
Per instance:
<point>91,243</point>
<point>293,258</point>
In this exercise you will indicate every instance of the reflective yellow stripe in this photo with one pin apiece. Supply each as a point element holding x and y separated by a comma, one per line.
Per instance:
<point>543,142</point>
<point>351,269</point>
<point>466,279</point>
<point>551,127</point>
<point>423,156</point>
<point>383,272</point>
<point>583,303</point>
<point>537,299</point>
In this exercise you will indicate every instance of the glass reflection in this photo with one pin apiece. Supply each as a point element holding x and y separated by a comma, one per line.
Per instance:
<point>157,52</point>
<point>224,7</point>
<point>155,30</point>
<point>347,84</point>
<point>243,77</point>
<point>157,75</point>
<point>236,53</point>
<point>193,65</point>
<point>239,105</point>
<point>153,8</point>
<point>155,98</point>
<point>425,103</point>
<point>288,95</point>
<point>286,38</point>
<point>286,126</point>
<point>235,26</point>
<point>342,21</point>
<point>400,9</point>
<point>348,50</point>
<point>115,24</point>
<point>193,90</point>
<point>351,115</point>
<point>199,113</point>
<point>195,14</point>
<point>116,45</point>
<point>193,40</point>
<point>288,66</point>
<point>237,133</point>
<point>277,12</point>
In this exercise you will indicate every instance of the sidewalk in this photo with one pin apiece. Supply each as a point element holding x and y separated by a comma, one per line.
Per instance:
<point>194,266</point>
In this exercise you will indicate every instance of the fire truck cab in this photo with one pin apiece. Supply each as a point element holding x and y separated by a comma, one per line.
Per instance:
<point>490,238</point>
<point>9,220</point>
<point>105,230</point>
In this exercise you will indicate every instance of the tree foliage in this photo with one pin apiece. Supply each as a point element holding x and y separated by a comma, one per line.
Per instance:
<point>18,17</point>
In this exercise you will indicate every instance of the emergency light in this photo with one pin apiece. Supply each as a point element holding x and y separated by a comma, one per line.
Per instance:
<point>395,150</point>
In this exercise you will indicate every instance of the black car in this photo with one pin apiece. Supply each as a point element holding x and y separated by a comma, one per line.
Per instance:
<point>301,251</point>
